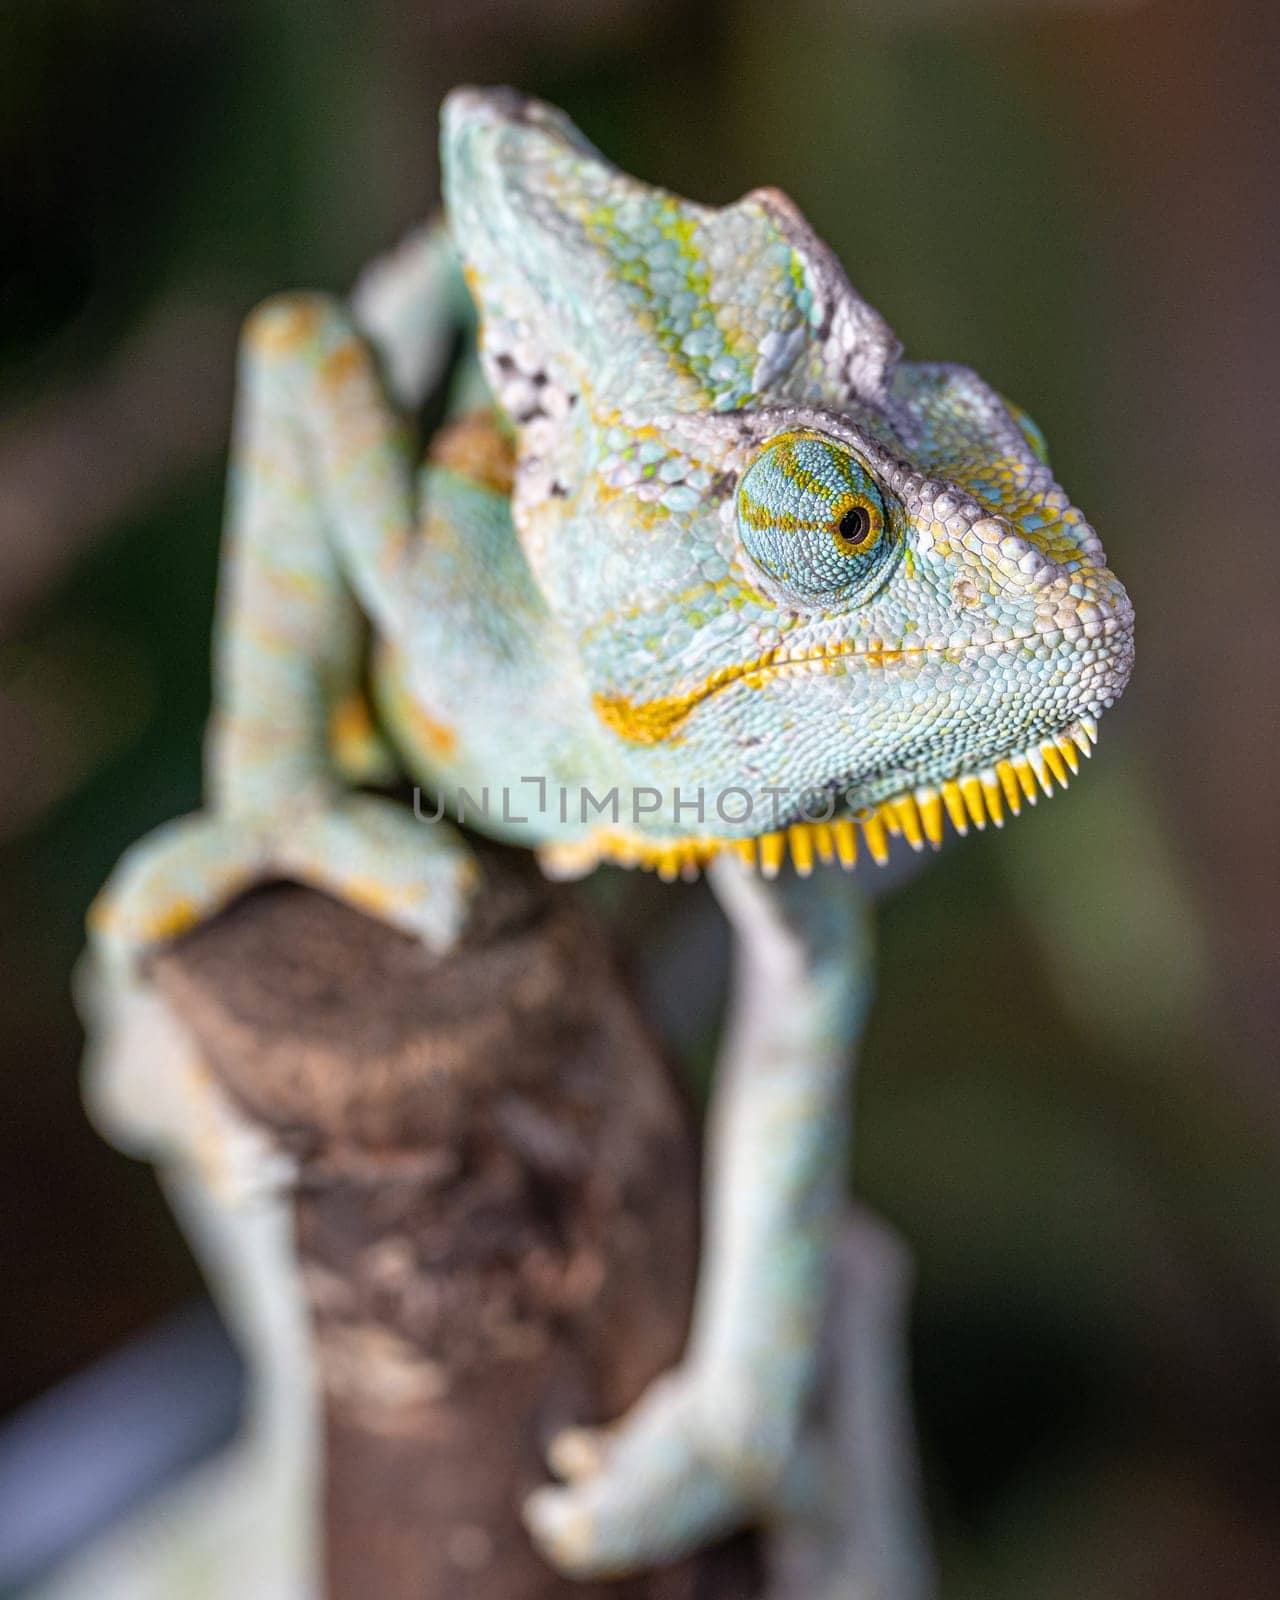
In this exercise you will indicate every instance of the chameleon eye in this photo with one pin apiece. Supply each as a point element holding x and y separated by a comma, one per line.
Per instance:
<point>811,516</point>
<point>854,528</point>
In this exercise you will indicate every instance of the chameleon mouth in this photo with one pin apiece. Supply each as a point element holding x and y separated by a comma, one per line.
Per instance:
<point>649,722</point>
<point>916,815</point>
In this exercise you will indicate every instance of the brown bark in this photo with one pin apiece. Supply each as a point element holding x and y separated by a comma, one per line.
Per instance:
<point>496,1214</point>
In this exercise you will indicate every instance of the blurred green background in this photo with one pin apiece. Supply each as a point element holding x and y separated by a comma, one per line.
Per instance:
<point>1069,1101</point>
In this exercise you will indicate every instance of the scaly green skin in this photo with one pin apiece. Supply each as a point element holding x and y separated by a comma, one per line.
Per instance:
<point>709,535</point>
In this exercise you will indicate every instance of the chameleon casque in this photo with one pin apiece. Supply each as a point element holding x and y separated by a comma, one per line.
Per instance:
<point>693,537</point>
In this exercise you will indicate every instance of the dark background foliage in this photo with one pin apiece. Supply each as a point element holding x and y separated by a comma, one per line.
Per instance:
<point>1069,1101</point>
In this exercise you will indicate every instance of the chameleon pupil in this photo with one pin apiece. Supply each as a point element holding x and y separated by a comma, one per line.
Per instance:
<point>855,525</point>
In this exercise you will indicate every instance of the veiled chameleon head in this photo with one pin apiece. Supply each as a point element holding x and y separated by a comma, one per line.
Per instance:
<point>789,560</point>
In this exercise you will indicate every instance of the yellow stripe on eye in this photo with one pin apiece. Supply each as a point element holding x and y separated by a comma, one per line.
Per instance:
<point>757,515</point>
<point>790,466</point>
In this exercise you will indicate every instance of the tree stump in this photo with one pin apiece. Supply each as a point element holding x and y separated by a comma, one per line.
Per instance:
<point>495,1206</point>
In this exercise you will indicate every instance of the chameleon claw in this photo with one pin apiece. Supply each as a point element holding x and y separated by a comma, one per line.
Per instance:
<point>576,1453</point>
<point>560,1528</point>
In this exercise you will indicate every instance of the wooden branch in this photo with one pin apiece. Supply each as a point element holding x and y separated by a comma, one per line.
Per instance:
<point>495,1209</point>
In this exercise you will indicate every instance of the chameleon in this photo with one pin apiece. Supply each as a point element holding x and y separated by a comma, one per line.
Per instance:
<point>699,574</point>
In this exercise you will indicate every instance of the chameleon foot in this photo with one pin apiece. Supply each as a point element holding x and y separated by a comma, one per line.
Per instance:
<point>167,882</point>
<point>369,852</point>
<point>378,857</point>
<point>658,1484</point>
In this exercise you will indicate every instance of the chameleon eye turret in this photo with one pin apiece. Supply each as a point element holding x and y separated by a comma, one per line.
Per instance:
<point>813,520</point>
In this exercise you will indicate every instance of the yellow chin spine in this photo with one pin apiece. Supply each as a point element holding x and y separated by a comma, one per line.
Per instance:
<point>916,815</point>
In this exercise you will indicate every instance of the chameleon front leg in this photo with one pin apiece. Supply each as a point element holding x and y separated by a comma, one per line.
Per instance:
<point>708,1447</point>
<point>319,530</point>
